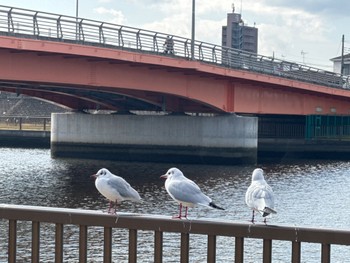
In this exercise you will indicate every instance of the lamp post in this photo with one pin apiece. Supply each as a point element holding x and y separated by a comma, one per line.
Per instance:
<point>342,56</point>
<point>76,17</point>
<point>193,30</point>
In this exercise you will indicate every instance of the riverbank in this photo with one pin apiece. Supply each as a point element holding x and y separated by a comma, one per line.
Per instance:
<point>268,148</point>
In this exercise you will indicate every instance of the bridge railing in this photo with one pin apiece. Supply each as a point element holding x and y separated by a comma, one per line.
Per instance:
<point>48,229</point>
<point>47,26</point>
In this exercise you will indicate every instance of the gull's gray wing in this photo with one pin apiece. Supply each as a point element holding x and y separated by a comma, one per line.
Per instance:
<point>123,188</point>
<point>188,192</point>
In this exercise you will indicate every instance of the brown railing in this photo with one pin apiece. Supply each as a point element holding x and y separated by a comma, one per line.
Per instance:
<point>25,123</point>
<point>135,224</point>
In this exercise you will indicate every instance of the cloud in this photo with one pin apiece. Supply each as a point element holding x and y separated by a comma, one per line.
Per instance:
<point>328,8</point>
<point>117,17</point>
<point>285,27</point>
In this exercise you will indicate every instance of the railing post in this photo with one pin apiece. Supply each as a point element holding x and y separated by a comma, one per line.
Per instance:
<point>35,242</point>
<point>100,34</point>
<point>36,31</point>
<point>211,257</point>
<point>107,247</point>
<point>59,28</point>
<point>138,40</point>
<point>132,245</point>
<point>155,43</point>
<point>12,241</point>
<point>82,243</point>
<point>10,25</point>
<point>326,253</point>
<point>296,252</point>
<point>81,35</point>
<point>267,251</point>
<point>185,247</point>
<point>158,247</point>
<point>120,37</point>
<point>59,243</point>
<point>239,249</point>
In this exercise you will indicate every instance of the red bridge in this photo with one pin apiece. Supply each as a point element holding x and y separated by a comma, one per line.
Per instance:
<point>91,65</point>
<point>85,64</point>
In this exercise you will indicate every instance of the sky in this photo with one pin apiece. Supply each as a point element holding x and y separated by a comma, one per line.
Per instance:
<point>308,31</point>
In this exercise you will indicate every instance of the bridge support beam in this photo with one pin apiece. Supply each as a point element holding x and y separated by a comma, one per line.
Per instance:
<point>226,139</point>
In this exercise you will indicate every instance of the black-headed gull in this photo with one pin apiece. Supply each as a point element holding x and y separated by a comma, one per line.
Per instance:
<point>114,188</point>
<point>185,191</point>
<point>259,196</point>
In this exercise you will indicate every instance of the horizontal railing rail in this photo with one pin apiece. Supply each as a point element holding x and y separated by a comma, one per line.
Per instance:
<point>30,123</point>
<point>47,26</point>
<point>135,224</point>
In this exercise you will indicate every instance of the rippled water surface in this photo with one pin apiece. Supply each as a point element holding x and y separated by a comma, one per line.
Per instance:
<point>308,193</point>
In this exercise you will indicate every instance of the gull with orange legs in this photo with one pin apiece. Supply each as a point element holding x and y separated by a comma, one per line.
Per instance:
<point>186,192</point>
<point>114,188</point>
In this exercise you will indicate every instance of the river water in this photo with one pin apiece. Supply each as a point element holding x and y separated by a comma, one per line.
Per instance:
<point>308,193</point>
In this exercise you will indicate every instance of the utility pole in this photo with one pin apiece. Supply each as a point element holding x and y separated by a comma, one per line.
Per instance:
<point>193,30</point>
<point>342,56</point>
<point>303,54</point>
<point>76,18</point>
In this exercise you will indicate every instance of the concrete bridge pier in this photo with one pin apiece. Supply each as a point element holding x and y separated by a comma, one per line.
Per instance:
<point>226,139</point>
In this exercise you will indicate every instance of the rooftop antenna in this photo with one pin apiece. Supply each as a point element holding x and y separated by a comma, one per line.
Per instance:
<point>303,54</point>
<point>233,7</point>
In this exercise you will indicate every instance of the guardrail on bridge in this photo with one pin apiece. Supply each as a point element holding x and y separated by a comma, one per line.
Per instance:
<point>47,26</point>
<point>152,245</point>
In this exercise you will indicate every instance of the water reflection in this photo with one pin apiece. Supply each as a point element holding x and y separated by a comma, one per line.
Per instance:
<point>309,193</point>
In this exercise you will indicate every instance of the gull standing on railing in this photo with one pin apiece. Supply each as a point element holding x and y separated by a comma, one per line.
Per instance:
<point>186,192</point>
<point>114,188</point>
<point>259,196</point>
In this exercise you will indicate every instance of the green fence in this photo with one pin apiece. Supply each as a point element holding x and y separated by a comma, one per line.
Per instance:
<point>327,127</point>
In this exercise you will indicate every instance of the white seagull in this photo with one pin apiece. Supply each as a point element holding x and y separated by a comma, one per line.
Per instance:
<point>259,196</point>
<point>114,188</point>
<point>185,191</point>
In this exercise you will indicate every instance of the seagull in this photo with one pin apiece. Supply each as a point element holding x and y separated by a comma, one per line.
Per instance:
<point>259,196</point>
<point>114,188</point>
<point>185,192</point>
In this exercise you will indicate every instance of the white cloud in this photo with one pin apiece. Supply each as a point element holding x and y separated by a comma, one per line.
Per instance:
<point>117,17</point>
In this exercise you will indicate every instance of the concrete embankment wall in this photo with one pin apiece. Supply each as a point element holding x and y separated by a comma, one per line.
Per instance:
<point>21,138</point>
<point>171,138</point>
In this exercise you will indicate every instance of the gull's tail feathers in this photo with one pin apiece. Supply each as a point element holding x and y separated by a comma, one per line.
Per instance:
<point>215,206</point>
<point>267,211</point>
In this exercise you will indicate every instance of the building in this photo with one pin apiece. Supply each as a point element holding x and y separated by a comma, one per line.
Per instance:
<point>337,61</point>
<point>237,35</point>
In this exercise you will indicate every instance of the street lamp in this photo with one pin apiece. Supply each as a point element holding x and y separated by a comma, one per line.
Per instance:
<point>193,29</point>
<point>76,17</point>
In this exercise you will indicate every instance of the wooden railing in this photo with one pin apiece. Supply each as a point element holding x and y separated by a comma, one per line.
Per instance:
<point>135,224</point>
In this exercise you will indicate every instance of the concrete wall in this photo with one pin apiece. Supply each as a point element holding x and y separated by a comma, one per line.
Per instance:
<point>21,138</point>
<point>226,137</point>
